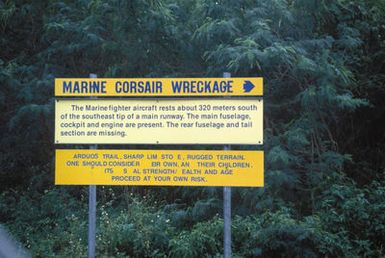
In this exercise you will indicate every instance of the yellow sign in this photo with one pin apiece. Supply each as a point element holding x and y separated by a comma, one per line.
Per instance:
<point>146,87</point>
<point>159,167</point>
<point>162,121</point>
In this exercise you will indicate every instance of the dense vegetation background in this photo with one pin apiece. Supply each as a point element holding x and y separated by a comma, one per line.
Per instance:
<point>324,67</point>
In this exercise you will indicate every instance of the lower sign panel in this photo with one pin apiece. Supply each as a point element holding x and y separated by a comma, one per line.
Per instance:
<point>160,167</point>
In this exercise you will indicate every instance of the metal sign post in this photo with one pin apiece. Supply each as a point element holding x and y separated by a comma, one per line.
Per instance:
<point>92,210</point>
<point>91,220</point>
<point>227,209</point>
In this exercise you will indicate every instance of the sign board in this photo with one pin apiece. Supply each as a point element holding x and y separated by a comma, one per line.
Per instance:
<point>147,87</point>
<point>159,121</point>
<point>159,167</point>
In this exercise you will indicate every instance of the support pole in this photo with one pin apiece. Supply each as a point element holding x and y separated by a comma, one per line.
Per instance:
<point>92,210</point>
<point>227,209</point>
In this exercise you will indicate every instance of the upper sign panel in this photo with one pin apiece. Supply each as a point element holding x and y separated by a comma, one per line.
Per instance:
<point>162,121</point>
<point>145,87</point>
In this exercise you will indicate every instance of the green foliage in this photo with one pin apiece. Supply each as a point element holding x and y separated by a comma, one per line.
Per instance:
<point>47,223</point>
<point>205,239</point>
<point>361,211</point>
<point>140,231</point>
